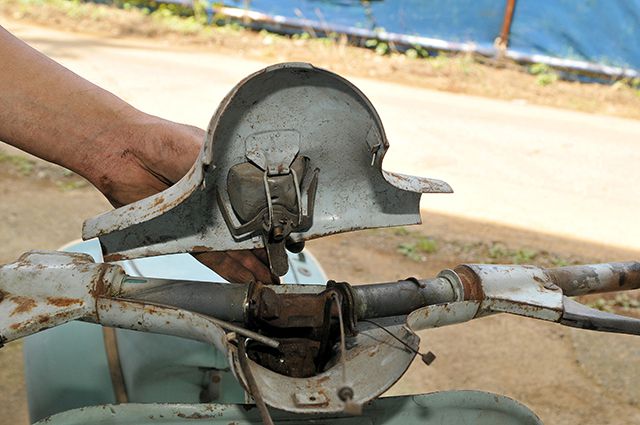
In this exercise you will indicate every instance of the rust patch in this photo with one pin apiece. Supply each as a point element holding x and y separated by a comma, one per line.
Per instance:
<point>194,415</point>
<point>199,249</point>
<point>23,304</point>
<point>63,301</point>
<point>115,257</point>
<point>159,200</point>
<point>470,282</point>
<point>15,325</point>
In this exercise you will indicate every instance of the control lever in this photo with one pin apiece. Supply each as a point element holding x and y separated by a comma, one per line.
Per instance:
<point>580,316</point>
<point>534,292</point>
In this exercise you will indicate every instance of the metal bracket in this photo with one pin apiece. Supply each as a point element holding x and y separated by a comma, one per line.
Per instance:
<point>273,118</point>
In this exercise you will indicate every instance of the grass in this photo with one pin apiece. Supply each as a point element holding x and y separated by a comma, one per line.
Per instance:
<point>22,165</point>
<point>418,248</point>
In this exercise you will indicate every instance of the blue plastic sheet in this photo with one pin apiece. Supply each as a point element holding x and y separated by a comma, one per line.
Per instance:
<point>602,31</point>
<point>599,31</point>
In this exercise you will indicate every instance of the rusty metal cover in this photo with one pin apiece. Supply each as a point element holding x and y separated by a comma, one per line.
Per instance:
<point>280,113</point>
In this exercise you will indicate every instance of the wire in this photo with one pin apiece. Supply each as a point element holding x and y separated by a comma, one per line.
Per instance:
<point>252,384</point>
<point>427,357</point>
<point>343,345</point>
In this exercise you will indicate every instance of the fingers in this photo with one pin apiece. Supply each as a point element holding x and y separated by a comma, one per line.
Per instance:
<point>262,255</point>
<point>237,266</point>
<point>251,261</point>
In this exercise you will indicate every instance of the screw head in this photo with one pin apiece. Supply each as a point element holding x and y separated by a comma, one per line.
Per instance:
<point>345,393</point>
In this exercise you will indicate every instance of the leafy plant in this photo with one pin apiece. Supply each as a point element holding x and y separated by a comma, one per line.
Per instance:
<point>380,47</point>
<point>497,250</point>
<point>427,245</point>
<point>524,256</point>
<point>418,250</point>
<point>400,231</point>
<point>545,75</point>
<point>559,262</point>
<point>623,301</point>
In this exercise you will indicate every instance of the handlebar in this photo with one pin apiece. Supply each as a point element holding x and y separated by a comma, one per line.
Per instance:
<point>524,290</point>
<point>44,289</point>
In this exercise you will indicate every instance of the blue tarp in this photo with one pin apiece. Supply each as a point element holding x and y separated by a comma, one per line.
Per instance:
<point>599,31</point>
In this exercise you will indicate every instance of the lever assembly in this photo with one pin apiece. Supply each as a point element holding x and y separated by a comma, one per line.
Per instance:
<point>293,153</point>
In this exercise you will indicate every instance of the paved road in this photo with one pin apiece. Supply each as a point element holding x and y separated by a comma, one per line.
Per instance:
<point>550,170</point>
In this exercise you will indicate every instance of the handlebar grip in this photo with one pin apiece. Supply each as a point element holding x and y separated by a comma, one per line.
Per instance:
<point>596,278</point>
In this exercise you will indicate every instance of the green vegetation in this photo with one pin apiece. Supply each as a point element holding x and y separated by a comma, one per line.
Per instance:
<point>400,231</point>
<point>22,165</point>
<point>545,75</point>
<point>500,253</point>
<point>418,249</point>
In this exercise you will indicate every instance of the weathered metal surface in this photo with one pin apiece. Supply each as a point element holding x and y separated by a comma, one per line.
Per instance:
<point>165,320</point>
<point>402,297</point>
<point>370,353</point>
<point>435,316</point>
<point>440,408</point>
<point>224,301</point>
<point>596,278</point>
<point>522,290</point>
<point>44,289</point>
<point>339,132</point>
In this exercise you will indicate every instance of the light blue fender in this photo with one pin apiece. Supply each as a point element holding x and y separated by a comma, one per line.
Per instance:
<point>441,408</point>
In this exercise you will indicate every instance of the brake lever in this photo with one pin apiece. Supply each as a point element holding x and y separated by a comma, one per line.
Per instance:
<point>577,315</point>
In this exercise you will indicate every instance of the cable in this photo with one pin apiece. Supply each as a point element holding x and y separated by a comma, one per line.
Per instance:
<point>252,384</point>
<point>427,358</point>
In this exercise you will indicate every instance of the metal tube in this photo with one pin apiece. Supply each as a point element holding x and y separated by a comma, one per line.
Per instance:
<point>402,297</point>
<point>596,278</point>
<point>224,301</point>
<point>505,31</point>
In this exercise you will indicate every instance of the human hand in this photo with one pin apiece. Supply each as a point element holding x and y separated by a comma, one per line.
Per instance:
<point>151,156</point>
<point>56,115</point>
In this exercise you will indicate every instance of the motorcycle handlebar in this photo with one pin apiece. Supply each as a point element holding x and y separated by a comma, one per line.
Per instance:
<point>228,301</point>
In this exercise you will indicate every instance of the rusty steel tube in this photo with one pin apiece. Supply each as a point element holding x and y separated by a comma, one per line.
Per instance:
<point>596,278</point>
<point>227,301</point>
<point>402,297</point>
<point>224,301</point>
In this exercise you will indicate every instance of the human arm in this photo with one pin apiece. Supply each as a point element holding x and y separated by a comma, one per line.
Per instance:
<point>52,113</point>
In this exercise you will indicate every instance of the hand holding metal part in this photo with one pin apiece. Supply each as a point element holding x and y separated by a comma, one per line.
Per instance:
<point>293,153</point>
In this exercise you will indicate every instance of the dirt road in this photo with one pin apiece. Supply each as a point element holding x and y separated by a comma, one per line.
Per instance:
<point>529,167</point>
